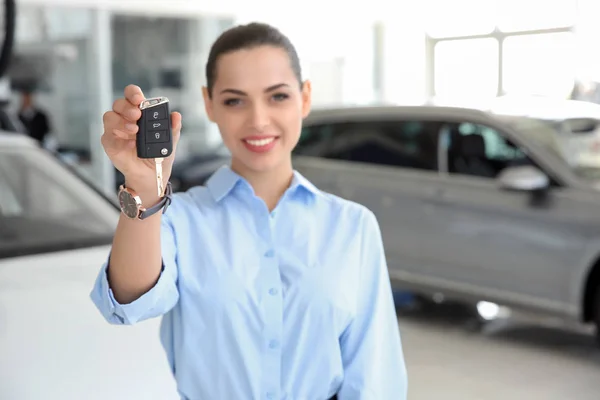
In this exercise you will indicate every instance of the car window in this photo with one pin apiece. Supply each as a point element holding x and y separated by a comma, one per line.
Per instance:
<point>479,150</point>
<point>44,207</point>
<point>406,144</point>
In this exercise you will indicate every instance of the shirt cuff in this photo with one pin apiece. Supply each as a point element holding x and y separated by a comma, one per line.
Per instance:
<point>140,309</point>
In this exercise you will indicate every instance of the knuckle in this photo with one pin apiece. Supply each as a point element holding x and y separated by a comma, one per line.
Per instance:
<point>118,105</point>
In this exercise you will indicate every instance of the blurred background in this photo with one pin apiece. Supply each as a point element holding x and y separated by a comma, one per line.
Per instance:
<point>470,127</point>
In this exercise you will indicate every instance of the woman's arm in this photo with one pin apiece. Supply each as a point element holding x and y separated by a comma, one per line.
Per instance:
<point>139,280</point>
<point>135,259</point>
<point>372,352</point>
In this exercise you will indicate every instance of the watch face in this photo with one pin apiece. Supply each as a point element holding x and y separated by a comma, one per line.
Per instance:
<point>128,204</point>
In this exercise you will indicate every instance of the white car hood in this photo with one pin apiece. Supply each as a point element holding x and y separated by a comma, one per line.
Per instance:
<point>54,344</point>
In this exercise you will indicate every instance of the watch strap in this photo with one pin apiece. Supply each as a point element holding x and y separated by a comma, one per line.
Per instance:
<point>164,203</point>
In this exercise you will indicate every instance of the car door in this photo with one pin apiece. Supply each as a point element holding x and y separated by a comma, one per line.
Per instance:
<point>388,165</point>
<point>55,234</point>
<point>502,244</point>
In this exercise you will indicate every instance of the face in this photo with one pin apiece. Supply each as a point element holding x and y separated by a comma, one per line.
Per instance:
<point>259,106</point>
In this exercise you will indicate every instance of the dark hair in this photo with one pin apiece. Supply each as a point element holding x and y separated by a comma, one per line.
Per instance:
<point>245,37</point>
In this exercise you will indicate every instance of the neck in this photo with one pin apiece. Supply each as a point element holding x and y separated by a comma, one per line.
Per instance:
<point>268,185</point>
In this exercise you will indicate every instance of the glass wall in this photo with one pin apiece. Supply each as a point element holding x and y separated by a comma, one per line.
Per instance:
<point>55,55</point>
<point>484,48</point>
<point>52,57</point>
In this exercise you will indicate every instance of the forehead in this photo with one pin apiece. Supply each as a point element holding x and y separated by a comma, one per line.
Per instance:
<point>256,67</point>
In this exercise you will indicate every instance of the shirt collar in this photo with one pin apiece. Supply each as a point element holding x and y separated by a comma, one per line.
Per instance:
<point>224,180</point>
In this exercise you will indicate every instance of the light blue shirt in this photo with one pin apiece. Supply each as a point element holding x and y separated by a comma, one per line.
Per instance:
<point>295,304</point>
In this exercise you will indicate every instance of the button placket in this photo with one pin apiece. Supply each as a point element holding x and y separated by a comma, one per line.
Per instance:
<point>273,311</point>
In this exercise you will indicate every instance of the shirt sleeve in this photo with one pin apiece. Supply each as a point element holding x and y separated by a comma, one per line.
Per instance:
<point>372,355</point>
<point>160,299</point>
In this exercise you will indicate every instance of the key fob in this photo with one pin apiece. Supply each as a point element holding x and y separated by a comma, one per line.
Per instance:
<point>154,138</point>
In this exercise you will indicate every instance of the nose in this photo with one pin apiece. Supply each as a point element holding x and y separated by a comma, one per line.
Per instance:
<point>259,117</point>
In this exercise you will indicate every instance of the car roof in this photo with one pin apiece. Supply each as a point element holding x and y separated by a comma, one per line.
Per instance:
<point>13,139</point>
<point>546,108</point>
<point>354,113</point>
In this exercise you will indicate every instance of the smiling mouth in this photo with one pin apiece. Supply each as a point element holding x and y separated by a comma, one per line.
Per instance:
<point>260,142</point>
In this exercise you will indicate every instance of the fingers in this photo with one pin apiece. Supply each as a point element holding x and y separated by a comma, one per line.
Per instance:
<point>118,126</point>
<point>127,110</point>
<point>176,126</point>
<point>134,95</point>
<point>175,130</point>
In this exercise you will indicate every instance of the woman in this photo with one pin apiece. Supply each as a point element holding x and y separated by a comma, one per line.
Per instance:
<point>269,288</point>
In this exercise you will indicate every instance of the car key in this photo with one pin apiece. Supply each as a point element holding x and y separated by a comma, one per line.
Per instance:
<point>154,138</point>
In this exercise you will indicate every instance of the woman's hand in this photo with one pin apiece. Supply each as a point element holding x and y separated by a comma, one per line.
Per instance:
<point>119,142</point>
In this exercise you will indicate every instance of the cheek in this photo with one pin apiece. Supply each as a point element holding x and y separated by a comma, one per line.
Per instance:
<point>230,126</point>
<point>291,122</point>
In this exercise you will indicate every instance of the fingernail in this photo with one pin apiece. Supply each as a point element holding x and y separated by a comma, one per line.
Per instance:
<point>131,127</point>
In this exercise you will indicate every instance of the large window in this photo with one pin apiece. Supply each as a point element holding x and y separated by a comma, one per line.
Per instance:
<point>485,48</point>
<point>543,64</point>
<point>407,144</point>
<point>53,57</point>
<point>460,17</point>
<point>466,68</point>
<point>527,15</point>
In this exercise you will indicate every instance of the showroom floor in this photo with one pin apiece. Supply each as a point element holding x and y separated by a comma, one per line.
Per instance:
<point>509,360</point>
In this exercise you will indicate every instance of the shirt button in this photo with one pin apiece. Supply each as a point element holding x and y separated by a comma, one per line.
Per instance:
<point>273,214</point>
<point>270,253</point>
<point>270,395</point>
<point>273,344</point>
<point>273,291</point>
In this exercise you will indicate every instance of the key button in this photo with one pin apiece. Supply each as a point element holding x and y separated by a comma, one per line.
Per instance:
<point>156,113</point>
<point>157,136</point>
<point>160,124</point>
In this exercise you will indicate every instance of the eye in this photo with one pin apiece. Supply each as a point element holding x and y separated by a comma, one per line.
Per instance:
<point>232,102</point>
<point>280,96</point>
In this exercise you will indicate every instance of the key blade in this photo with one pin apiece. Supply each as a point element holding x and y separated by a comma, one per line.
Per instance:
<point>159,176</point>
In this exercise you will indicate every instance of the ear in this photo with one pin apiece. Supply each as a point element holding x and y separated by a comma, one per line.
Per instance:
<point>208,105</point>
<point>306,98</point>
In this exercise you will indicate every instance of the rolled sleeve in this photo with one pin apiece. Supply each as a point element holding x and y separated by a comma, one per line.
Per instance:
<point>372,355</point>
<point>160,299</point>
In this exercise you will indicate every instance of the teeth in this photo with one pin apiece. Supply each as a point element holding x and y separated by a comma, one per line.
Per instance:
<point>261,142</point>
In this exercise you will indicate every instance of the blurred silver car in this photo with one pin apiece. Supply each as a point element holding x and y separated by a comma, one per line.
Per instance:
<point>473,205</point>
<point>55,231</point>
<point>577,123</point>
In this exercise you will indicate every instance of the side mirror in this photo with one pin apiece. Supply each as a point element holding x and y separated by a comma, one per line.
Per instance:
<point>523,178</point>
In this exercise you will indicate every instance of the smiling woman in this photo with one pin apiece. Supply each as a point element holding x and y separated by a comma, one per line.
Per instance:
<point>255,94</point>
<point>269,287</point>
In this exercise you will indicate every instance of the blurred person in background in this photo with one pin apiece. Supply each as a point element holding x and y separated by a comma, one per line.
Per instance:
<point>268,287</point>
<point>34,119</point>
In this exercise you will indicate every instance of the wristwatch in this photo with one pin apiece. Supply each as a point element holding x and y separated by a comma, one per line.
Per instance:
<point>131,204</point>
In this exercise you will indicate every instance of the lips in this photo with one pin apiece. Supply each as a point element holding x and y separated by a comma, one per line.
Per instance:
<point>260,144</point>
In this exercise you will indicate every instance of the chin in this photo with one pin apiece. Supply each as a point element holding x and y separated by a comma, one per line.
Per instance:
<point>262,163</point>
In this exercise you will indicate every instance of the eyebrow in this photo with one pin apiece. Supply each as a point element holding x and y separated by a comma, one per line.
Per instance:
<point>267,90</point>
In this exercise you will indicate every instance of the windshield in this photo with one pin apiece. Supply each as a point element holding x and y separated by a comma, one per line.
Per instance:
<point>44,207</point>
<point>555,137</point>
